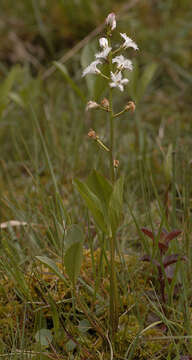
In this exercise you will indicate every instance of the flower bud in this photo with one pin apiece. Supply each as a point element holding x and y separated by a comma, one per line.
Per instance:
<point>103,42</point>
<point>92,134</point>
<point>130,106</point>
<point>105,103</point>
<point>115,163</point>
<point>91,105</point>
<point>111,21</point>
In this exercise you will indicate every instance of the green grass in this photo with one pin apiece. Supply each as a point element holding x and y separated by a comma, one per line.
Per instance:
<point>44,147</point>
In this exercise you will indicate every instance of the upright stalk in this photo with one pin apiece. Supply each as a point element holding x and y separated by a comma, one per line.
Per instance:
<point>114,79</point>
<point>113,280</point>
<point>111,124</point>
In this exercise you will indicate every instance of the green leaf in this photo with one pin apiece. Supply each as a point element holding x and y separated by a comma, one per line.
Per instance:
<point>168,164</point>
<point>65,74</point>
<point>133,77</point>
<point>103,200</point>
<point>44,337</point>
<point>146,78</point>
<point>93,204</point>
<point>116,204</point>
<point>84,326</point>
<point>6,87</point>
<point>87,56</point>
<point>55,315</point>
<point>138,83</point>
<point>17,99</point>
<point>51,265</point>
<point>74,252</point>
<point>101,187</point>
<point>70,345</point>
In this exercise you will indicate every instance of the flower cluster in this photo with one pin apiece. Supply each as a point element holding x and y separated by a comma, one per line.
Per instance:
<point>120,62</point>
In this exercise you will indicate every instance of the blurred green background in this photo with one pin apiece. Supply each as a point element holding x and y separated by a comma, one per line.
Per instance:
<point>42,113</point>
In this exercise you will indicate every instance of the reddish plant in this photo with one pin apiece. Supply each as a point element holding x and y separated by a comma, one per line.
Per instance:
<point>164,264</point>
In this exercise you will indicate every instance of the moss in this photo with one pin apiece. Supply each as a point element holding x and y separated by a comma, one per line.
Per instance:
<point>132,303</point>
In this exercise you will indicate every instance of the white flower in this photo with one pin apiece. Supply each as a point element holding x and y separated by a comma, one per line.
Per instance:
<point>111,21</point>
<point>103,42</point>
<point>123,63</point>
<point>117,81</point>
<point>103,54</point>
<point>128,42</point>
<point>92,68</point>
<point>92,105</point>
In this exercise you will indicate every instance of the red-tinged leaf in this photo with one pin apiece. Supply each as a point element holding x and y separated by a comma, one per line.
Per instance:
<point>149,259</point>
<point>172,235</point>
<point>148,233</point>
<point>186,357</point>
<point>163,328</point>
<point>170,271</point>
<point>162,247</point>
<point>146,258</point>
<point>163,234</point>
<point>172,259</point>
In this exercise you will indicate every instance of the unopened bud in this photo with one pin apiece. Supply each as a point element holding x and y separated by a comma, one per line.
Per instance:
<point>103,42</point>
<point>115,163</point>
<point>111,21</point>
<point>105,103</point>
<point>130,106</point>
<point>92,134</point>
<point>91,105</point>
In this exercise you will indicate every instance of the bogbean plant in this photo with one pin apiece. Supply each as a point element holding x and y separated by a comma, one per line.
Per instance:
<point>102,196</point>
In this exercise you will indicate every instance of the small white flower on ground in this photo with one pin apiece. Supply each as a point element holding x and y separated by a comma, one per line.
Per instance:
<point>117,81</point>
<point>128,42</point>
<point>92,68</point>
<point>92,105</point>
<point>111,21</point>
<point>123,63</point>
<point>103,42</point>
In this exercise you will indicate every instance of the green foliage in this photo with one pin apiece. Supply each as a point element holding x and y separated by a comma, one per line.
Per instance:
<point>73,255</point>
<point>44,337</point>
<point>6,87</point>
<point>103,200</point>
<point>73,252</point>
<point>116,204</point>
<point>139,81</point>
<point>93,204</point>
<point>168,164</point>
<point>67,77</point>
<point>52,265</point>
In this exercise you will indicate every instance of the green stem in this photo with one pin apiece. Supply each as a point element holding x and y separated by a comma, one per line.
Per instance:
<point>119,113</point>
<point>113,281</point>
<point>111,121</point>
<point>74,301</point>
<point>114,316</point>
